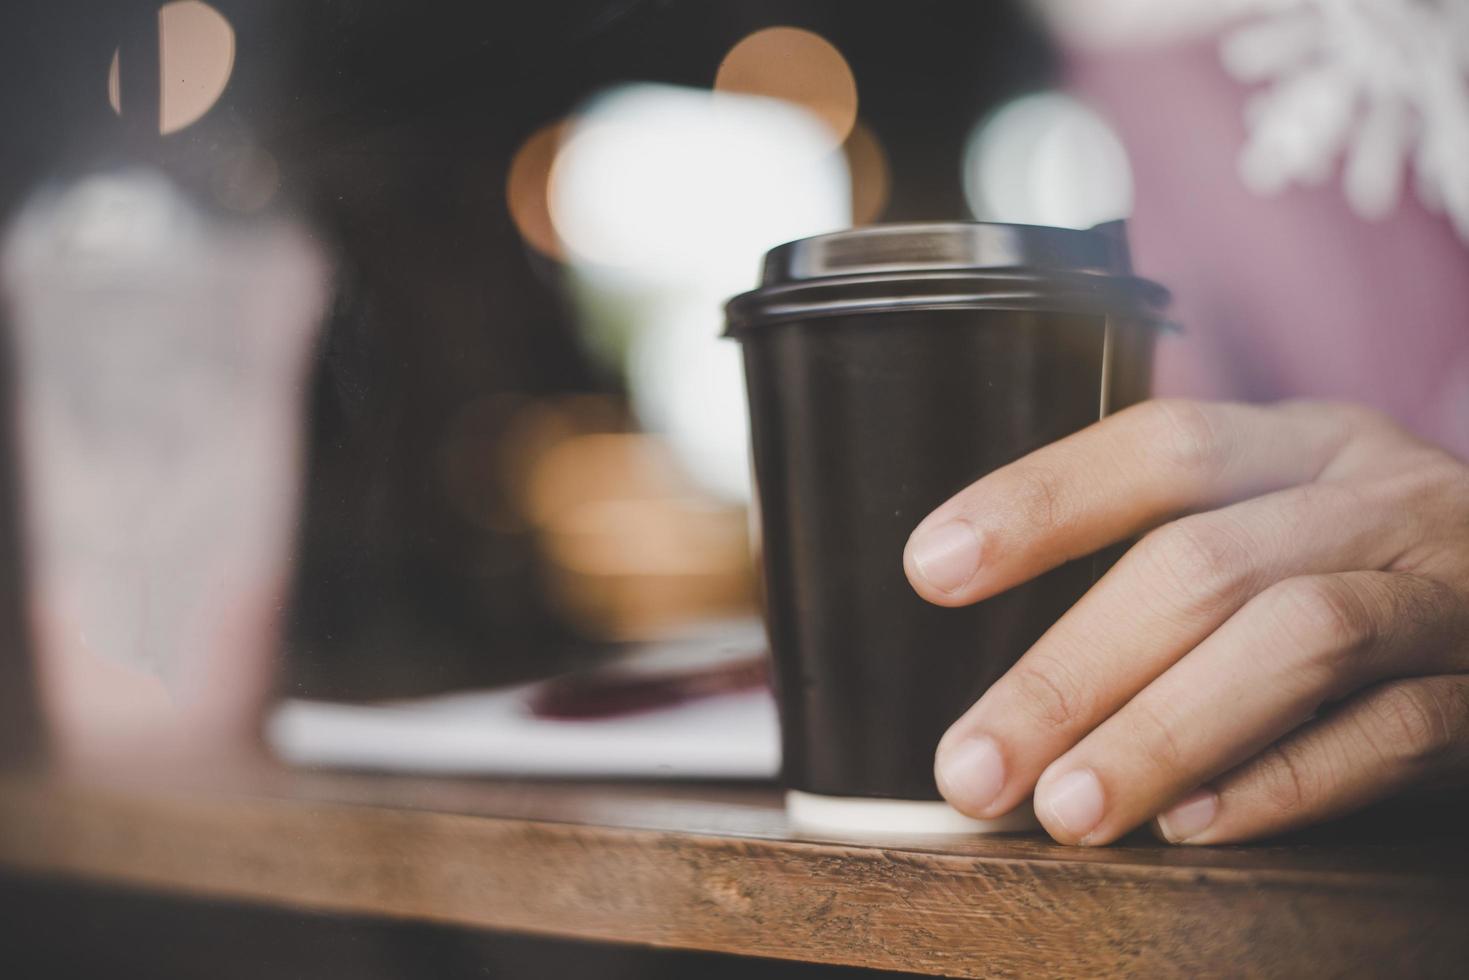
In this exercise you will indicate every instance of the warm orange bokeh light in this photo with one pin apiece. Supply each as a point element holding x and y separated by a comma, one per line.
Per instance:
<point>196,46</point>
<point>632,550</point>
<point>797,66</point>
<point>539,426</point>
<point>871,180</point>
<point>527,188</point>
<point>196,54</point>
<point>600,467</point>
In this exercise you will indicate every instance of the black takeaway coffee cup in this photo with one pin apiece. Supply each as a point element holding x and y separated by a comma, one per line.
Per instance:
<point>888,367</point>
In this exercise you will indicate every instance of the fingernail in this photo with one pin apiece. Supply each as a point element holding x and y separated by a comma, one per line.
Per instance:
<point>1075,802</point>
<point>1189,817</point>
<point>971,774</point>
<point>946,556</point>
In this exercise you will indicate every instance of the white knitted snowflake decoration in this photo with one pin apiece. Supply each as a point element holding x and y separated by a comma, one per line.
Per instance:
<point>1379,85</point>
<point>1374,83</point>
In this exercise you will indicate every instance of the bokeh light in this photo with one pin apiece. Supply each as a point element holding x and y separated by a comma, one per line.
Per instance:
<point>541,424</point>
<point>196,55</point>
<point>689,384</point>
<point>527,188</point>
<point>1047,159</point>
<point>632,548</point>
<point>667,184</point>
<point>642,569</point>
<point>871,180</point>
<point>798,67</point>
<point>588,469</point>
<point>666,199</point>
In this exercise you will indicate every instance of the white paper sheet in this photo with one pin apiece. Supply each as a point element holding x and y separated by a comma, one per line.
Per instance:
<point>726,736</point>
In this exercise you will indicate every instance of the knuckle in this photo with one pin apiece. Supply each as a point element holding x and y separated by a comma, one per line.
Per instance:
<point>1202,557</point>
<point>1287,785</point>
<point>1321,615</point>
<point>1048,693</point>
<point>1426,502</point>
<point>1418,722</point>
<point>1425,607</point>
<point>1186,435</point>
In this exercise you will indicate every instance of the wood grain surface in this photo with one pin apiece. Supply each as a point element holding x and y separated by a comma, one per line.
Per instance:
<point>717,868</point>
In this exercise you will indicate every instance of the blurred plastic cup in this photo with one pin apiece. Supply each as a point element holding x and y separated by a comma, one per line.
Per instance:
<point>160,358</point>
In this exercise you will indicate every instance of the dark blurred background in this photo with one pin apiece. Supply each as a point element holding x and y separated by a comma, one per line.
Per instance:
<point>452,361</point>
<point>391,130</point>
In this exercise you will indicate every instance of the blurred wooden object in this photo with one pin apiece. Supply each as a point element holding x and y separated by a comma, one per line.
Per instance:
<point>717,868</point>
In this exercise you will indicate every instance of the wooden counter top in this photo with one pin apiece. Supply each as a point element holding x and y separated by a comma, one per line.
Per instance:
<point>718,868</point>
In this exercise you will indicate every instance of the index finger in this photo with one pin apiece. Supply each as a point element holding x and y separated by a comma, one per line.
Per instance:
<point>1124,475</point>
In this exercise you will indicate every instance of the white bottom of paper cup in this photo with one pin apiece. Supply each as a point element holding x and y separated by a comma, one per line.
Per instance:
<point>857,814</point>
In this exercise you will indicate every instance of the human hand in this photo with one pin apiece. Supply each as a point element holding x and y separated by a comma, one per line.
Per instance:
<point>1287,642</point>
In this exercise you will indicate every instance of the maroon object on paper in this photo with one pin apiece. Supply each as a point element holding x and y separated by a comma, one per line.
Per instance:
<point>623,689</point>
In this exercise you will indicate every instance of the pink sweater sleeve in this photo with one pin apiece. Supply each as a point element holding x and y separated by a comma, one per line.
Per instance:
<point>1291,295</point>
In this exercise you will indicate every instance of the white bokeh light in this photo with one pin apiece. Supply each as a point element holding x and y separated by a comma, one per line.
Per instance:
<point>1047,159</point>
<point>666,199</point>
<point>669,183</point>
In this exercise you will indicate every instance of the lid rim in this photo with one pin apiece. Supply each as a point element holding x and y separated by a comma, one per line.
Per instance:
<point>1016,289</point>
<point>915,247</point>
